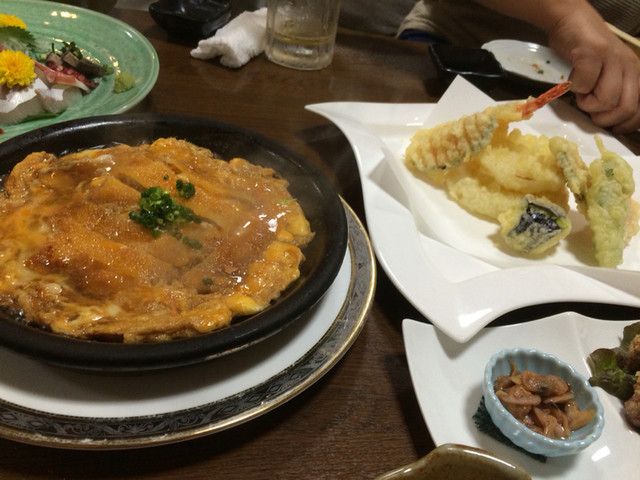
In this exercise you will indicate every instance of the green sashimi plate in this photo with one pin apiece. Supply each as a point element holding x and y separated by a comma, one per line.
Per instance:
<point>100,37</point>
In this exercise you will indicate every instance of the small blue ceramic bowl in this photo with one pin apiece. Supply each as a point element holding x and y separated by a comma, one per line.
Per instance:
<point>517,432</point>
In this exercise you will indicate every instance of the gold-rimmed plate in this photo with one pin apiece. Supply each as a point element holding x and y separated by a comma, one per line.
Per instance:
<point>62,408</point>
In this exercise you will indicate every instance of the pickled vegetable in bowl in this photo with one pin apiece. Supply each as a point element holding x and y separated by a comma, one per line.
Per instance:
<point>550,375</point>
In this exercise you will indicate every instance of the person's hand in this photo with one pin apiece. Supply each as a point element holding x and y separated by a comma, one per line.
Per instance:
<point>606,73</point>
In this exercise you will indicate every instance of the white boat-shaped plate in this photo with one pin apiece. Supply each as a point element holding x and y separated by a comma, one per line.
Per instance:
<point>447,378</point>
<point>442,258</point>
<point>51,406</point>
<point>530,60</point>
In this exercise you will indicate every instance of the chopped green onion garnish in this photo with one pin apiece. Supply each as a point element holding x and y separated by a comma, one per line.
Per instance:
<point>160,213</point>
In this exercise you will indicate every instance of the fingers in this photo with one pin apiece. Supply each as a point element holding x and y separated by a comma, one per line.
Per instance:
<point>585,74</point>
<point>630,125</point>
<point>599,87</point>
<point>625,123</point>
<point>606,72</point>
<point>609,90</point>
<point>625,115</point>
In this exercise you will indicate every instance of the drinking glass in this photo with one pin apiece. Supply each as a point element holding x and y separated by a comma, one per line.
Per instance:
<point>301,34</point>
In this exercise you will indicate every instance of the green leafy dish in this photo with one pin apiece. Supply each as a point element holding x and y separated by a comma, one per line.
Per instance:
<point>109,41</point>
<point>616,369</point>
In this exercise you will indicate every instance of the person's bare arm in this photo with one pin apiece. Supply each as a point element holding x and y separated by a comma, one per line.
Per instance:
<point>606,73</point>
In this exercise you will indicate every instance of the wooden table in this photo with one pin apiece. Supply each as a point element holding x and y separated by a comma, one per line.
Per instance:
<point>362,418</point>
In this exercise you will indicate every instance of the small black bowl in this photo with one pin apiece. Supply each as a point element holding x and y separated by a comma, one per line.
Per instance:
<point>191,19</point>
<point>477,65</point>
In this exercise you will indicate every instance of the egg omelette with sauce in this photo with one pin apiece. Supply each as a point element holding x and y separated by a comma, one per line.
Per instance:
<point>76,259</point>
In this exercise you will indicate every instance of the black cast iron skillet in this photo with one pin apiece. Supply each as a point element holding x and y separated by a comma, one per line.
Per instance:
<point>316,195</point>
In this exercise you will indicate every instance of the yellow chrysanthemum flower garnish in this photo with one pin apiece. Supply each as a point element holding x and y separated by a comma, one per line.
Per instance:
<point>16,68</point>
<point>11,21</point>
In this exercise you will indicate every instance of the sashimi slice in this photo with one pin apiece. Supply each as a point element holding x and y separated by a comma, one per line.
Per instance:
<point>20,103</point>
<point>58,98</point>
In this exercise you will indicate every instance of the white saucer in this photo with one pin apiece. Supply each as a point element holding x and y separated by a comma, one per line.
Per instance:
<point>530,60</point>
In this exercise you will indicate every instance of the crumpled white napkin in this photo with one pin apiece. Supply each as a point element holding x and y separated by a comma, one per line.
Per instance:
<point>238,41</point>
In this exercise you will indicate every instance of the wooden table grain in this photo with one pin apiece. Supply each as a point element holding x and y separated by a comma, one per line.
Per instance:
<point>361,419</point>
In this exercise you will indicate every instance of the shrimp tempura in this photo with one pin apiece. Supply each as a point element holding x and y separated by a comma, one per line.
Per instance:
<point>454,142</point>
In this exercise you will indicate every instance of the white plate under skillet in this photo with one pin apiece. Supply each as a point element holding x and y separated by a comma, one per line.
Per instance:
<point>530,60</point>
<point>55,407</point>
<point>447,378</point>
<point>442,258</point>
